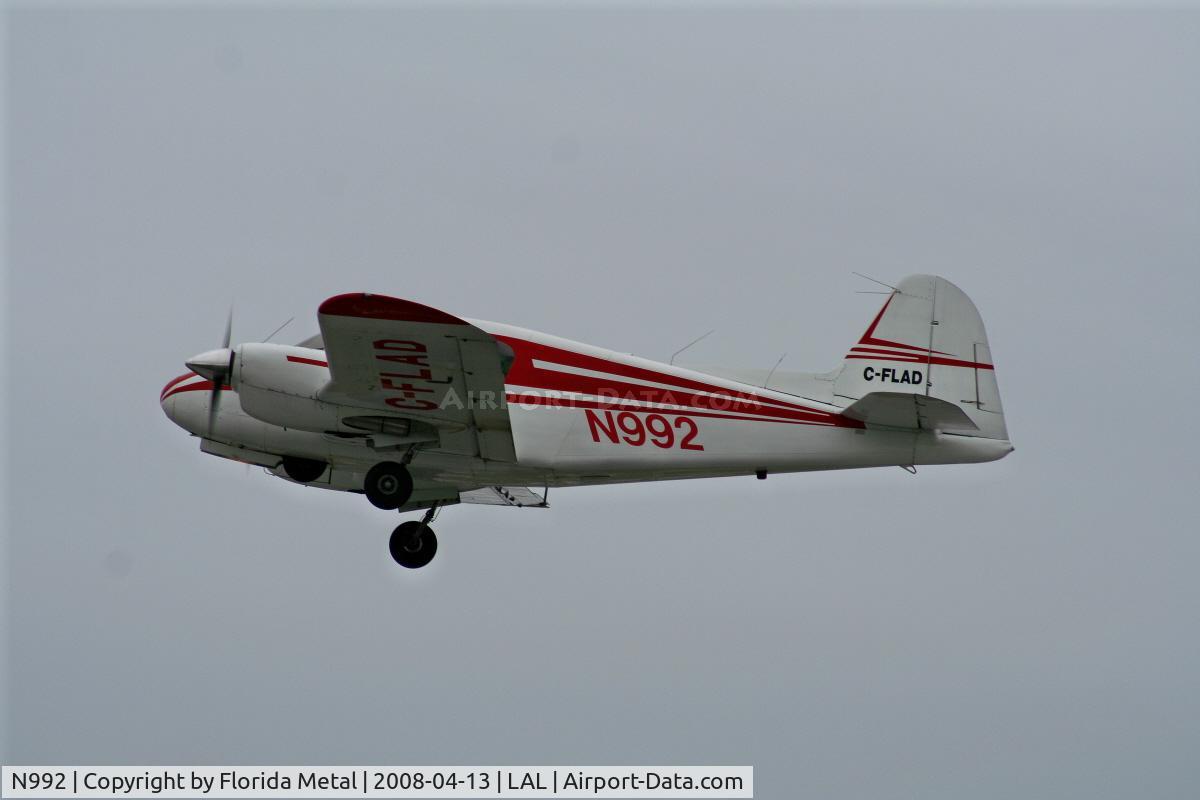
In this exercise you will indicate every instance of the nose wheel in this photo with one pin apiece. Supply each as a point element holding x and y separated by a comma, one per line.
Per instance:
<point>413,544</point>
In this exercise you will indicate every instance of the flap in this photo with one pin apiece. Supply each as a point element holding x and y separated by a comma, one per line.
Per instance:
<point>518,496</point>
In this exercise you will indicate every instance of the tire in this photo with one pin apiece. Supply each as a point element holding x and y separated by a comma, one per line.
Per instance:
<point>413,544</point>
<point>388,485</point>
<point>303,470</point>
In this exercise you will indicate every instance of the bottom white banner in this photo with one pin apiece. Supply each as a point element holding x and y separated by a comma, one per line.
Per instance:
<point>343,782</point>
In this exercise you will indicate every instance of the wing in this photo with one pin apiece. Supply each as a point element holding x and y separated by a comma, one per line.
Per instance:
<point>392,359</point>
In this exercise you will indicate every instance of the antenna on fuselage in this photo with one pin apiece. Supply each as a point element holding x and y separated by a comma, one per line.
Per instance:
<point>277,330</point>
<point>689,344</point>
<point>772,372</point>
<point>873,280</point>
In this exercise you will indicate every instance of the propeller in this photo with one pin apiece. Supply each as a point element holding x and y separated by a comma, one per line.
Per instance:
<point>217,366</point>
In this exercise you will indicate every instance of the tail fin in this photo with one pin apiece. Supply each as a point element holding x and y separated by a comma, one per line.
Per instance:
<point>928,339</point>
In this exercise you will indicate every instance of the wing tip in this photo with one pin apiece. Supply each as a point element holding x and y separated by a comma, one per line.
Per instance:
<point>379,306</point>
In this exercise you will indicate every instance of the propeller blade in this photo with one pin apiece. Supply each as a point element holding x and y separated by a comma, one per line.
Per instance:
<point>219,379</point>
<point>217,368</point>
<point>214,400</point>
<point>228,328</point>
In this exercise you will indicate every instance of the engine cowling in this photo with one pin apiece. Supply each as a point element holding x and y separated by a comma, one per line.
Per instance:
<point>278,384</point>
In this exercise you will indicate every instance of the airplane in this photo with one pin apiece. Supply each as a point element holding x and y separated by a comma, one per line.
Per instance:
<point>418,409</point>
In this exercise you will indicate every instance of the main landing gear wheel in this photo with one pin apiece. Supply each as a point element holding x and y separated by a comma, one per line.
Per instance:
<point>413,544</point>
<point>388,485</point>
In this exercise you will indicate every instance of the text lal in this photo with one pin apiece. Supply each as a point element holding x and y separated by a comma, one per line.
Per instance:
<point>526,780</point>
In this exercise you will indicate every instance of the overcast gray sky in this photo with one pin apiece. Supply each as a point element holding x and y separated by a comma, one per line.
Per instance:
<point>630,178</point>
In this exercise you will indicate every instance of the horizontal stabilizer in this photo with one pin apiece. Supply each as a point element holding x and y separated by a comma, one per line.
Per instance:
<point>913,411</point>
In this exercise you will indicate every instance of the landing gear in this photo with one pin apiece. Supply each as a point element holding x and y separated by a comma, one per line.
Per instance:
<point>388,485</point>
<point>413,544</point>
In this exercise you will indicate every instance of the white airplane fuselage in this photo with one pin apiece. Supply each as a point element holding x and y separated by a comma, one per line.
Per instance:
<point>417,408</point>
<point>619,418</point>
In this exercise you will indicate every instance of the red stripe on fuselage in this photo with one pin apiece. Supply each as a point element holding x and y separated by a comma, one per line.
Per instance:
<point>567,402</point>
<point>616,391</point>
<point>162,395</point>
<point>194,387</point>
<point>524,373</point>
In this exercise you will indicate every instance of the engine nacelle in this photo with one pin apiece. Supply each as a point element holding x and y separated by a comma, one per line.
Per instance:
<point>278,384</point>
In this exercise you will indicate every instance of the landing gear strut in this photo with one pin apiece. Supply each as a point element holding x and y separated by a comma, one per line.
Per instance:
<point>413,544</point>
<point>388,485</point>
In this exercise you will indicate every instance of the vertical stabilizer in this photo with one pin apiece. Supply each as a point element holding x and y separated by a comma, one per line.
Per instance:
<point>928,339</point>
